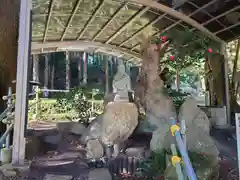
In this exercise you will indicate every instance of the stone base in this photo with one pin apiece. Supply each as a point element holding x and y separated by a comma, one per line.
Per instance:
<point>6,155</point>
<point>9,170</point>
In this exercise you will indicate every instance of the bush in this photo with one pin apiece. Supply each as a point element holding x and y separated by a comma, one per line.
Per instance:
<point>74,105</point>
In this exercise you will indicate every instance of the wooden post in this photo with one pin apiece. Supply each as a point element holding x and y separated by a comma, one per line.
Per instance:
<point>228,110</point>
<point>52,74</point>
<point>35,70</point>
<point>67,70</point>
<point>85,56</point>
<point>46,71</point>
<point>106,75</point>
<point>80,68</point>
<point>18,154</point>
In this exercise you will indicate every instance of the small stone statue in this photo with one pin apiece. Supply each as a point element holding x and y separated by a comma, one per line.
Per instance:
<point>121,85</point>
<point>120,117</point>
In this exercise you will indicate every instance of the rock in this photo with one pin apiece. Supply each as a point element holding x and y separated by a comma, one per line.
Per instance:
<point>101,173</point>
<point>199,141</point>
<point>93,131</point>
<point>77,128</point>
<point>160,108</point>
<point>197,129</point>
<point>161,139</point>
<point>33,146</point>
<point>202,150</point>
<point>71,127</point>
<point>192,114</point>
<point>94,149</point>
<point>119,121</point>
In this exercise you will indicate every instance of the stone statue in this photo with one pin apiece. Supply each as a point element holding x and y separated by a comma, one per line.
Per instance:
<point>120,116</point>
<point>121,85</point>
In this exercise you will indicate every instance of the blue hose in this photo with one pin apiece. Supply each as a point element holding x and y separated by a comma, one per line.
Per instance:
<point>182,148</point>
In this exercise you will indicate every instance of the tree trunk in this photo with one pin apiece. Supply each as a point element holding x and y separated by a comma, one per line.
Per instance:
<point>235,83</point>
<point>9,17</point>
<point>215,84</point>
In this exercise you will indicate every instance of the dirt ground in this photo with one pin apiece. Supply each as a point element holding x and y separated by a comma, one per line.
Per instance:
<point>66,160</point>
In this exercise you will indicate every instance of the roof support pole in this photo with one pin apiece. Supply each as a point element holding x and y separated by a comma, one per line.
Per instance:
<point>18,154</point>
<point>228,110</point>
<point>35,69</point>
<point>85,63</point>
<point>67,70</point>
<point>105,58</point>
<point>80,68</point>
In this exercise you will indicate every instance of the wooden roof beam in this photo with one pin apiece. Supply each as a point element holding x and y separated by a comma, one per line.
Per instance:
<point>142,29</point>
<point>147,26</point>
<point>36,46</point>
<point>207,13</point>
<point>51,5</point>
<point>178,15</point>
<point>221,15</point>
<point>179,21</point>
<point>110,21</point>
<point>75,9</point>
<point>227,28</point>
<point>91,19</point>
<point>127,24</point>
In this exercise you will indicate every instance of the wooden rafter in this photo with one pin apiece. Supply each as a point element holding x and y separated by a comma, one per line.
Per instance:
<point>207,13</point>
<point>178,15</point>
<point>71,18</point>
<point>48,19</point>
<point>147,26</point>
<point>127,24</point>
<point>221,15</point>
<point>179,21</point>
<point>142,29</point>
<point>110,20</point>
<point>91,19</point>
<point>227,28</point>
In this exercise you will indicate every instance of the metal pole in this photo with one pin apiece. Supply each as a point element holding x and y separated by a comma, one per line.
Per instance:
<point>85,68</point>
<point>228,110</point>
<point>35,70</point>
<point>80,68</point>
<point>46,75</point>
<point>106,75</point>
<point>178,165</point>
<point>18,154</point>
<point>9,105</point>
<point>183,134</point>
<point>67,70</point>
<point>237,119</point>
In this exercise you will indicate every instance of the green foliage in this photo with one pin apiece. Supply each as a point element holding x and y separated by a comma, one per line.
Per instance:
<point>178,97</point>
<point>154,166</point>
<point>77,104</point>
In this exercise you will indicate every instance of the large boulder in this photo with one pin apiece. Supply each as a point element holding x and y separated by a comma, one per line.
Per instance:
<point>202,151</point>
<point>119,121</point>
<point>197,129</point>
<point>161,139</point>
<point>193,115</point>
